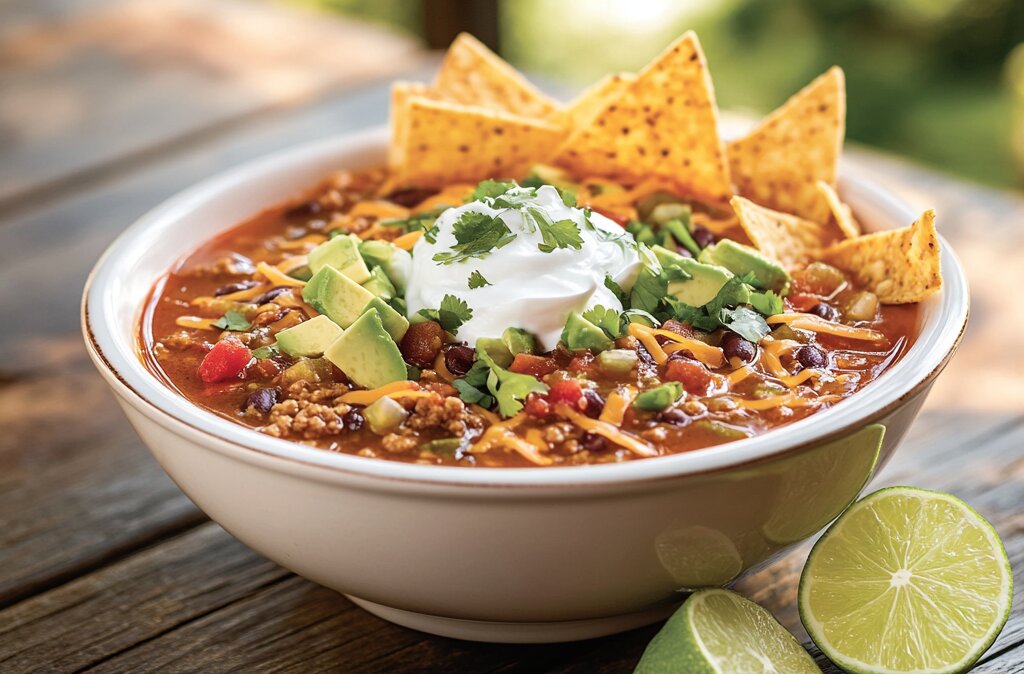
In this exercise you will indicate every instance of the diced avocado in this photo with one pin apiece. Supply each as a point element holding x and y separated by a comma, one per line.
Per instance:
<point>384,415</point>
<point>496,349</point>
<point>335,294</point>
<point>549,175</point>
<point>579,333</point>
<point>342,253</point>
<point>397,263</point>
<point>742,260</point>
<point>313,370</point>
<point>662,214</point>
<point>395,323</point>
<point>379,284</point>
<point>366,353</point>
<point>660,397</point>
<point>704,283</point>
<point>617,362</point>
<point>722,431</point>
<point>309,338</point>
<point>519,341</point>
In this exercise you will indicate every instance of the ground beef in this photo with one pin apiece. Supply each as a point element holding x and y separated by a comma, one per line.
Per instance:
<point>448,413</point>
<point>399,443</point>
<point>308,413</point>
<point>182,341</point>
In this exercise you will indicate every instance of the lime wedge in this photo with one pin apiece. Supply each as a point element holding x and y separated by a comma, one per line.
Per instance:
<point>906,580</point>
<point>719,632</point>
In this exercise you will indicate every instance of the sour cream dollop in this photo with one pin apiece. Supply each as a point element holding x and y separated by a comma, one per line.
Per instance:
<point>530,289</point>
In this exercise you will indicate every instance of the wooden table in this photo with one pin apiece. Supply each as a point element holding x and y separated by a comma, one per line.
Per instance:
<point>104,564</point>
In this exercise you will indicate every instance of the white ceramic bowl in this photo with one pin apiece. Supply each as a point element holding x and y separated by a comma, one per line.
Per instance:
<point>516,555</point>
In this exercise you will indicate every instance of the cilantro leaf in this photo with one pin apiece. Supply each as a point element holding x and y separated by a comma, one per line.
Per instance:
<point>489,189</point>
<point>477,280</point>
<point>476,234</point>
<point>610,284</point>
<point>767,303</point>
<point>567,193</point>
<point>451,315</point>
<point>745,322</point>
<point>694,316</point>
<point>509,388</point>
<point>650,285</point>
<point>637,316</point>
<point>471,394</point>
<point>561,234</point>
<point>517,197</point>
<point>234,321</point>
<point>606,319</point>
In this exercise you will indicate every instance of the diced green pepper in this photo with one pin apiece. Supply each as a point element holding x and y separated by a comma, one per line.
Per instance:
<point>617,362</point>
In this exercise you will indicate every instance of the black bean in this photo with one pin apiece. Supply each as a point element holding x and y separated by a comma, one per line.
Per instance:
<point>592,442</point>
<point>735,346</point>
<point>674,416</point>
<point>271,294</point>
<point>458,358</point>
<point>811,356</point>
<point>305,209</point>
<point>352,420</point>
<point>825,310</point>
<point>409,197</point>
<point>262,399</point>
<point>234,288</point>
<point>595,403</point>
<point>703,236</point>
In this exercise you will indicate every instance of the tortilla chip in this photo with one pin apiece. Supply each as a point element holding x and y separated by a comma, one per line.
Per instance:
<point>445,142</point>
<point>401,92</point>
<point>663,124</point>
<point>583,109</point>
<point>899,265</point>
<point>474,75</point>
<point>780,163</point>
<point>791,240</point>
<point>842,214</point>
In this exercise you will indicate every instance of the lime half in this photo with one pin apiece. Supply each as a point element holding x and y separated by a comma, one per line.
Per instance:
<point>719,632</point>
<point>906,580</point>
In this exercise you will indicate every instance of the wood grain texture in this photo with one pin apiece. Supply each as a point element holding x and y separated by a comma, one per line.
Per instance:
<point>106,566</point>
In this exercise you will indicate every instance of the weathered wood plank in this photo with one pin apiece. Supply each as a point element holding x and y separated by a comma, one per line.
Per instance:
<point>87,620</point>
<point>91,83</point>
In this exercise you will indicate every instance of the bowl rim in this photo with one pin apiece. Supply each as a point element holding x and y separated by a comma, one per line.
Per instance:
<point>143,390</point>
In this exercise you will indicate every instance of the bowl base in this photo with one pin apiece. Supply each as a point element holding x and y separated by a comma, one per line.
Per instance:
<point>517,632</point>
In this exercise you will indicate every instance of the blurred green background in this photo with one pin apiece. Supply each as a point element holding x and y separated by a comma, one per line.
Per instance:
<point>938,81</point>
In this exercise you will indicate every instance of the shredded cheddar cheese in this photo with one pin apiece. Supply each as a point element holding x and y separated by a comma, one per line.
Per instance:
<point>606,430</point>
<point>816,324</point>
<point>618,402</point>
<point>373,395</point>
<point>382,210</point>
<point>712,356</point>
<point>442,369</point>
<point>453,195</point>
<point>502,434</point>
<point>195,322</point>
<point>646,337</point>
<point>277,277</point>
<point>306,242</point>
<point>736,376</point>
<point>241,295</point>
<point>770,359</point>
<point>489,416</point>
<point>290,264</point>
<point>407,241</point>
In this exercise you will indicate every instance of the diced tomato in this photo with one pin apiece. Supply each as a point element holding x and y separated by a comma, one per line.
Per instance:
<point>567,392</point>
<point>536,366</point>
<point>583,364</point>
<point>802,301</point>
<point>694,377</point>
<point>537,406</point>
<point>226,360</point>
